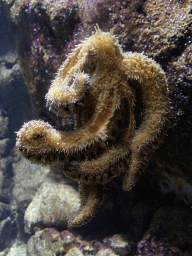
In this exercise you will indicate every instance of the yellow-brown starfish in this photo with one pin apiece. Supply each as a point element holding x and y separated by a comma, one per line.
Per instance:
<point>119,102</point>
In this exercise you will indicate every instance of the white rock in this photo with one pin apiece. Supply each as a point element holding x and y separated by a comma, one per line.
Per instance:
<point>18,248</point>
<point>54,203</point>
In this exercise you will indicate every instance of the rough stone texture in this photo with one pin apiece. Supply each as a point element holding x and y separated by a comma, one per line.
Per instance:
<point>4,252</point>
<point>39,244</point>
<point>1,181</point>
<point>53,204</point>
<point>170,233</point>
<point>50,242</point>
<point>14,105</point>
<point>14,101</point>
<point>48,30</point>
<point>4,143</point>
<point>8,74</point>
<point>12,110</point>
<point>89,247</point>
<point>18,248</point>
<point>106,252</point>
<point>5,210</point>
<point>8,232</point>
<point>27,179</point>
<point>74,252</point>
<point>165,25</point>
<point>7,173</point>
<point>119,244</point>
<point>43,29</point>
<point>3,124</point>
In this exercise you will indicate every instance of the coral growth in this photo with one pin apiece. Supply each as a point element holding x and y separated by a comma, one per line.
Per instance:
<point>119,104</point>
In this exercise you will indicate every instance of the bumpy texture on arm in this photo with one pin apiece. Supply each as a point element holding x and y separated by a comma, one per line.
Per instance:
<point>120,106</point>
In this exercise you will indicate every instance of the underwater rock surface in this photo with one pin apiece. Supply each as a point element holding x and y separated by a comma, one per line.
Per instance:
<point>18,248</point>
<point>170,233</point>
<point>46,33</point>
<point>53,204</point>
<point>3,124</point>
<point>50,241</point>
<point>27,180</point>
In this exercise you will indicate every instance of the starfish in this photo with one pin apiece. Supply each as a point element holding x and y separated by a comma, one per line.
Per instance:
<point>119,103</point>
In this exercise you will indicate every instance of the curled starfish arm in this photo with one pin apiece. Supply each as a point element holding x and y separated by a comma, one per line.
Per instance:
<point>69,84</point>
<point>153,85</point>
<point>91,200</point>
<point>41,140</point>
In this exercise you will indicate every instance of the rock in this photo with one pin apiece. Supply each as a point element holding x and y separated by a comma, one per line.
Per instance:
<point>53,204</point>
<point>4,143</point>
<point>119,244</point>
<point>14,102</point>
<point>39,244</point>
<point>8,74</point>
<point>48,30</point>
<point>90,247</point>
<point>106,252</point>
<point>6,163</point>
<point>1,181</point>
<point>11,57</point>
<point>7,178</point>
<point>74,252</point>
<point>68,237</point>
<point>27,179</point>
<point>8,232</point>
<point>50,242</point>
<point>5,210</point>
<point>18,248</point>
<point>170,233</point>
<point>3,124</point>
<point>4,252</point>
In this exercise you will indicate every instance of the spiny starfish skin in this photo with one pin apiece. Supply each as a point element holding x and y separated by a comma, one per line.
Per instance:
<point>119,102</point>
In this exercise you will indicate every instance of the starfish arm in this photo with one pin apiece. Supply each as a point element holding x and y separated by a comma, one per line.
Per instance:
<point>99,170</point>
<point>91,200</point>
<point>50,141</point>
<point>69,84</point>
<point>153,86</point>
